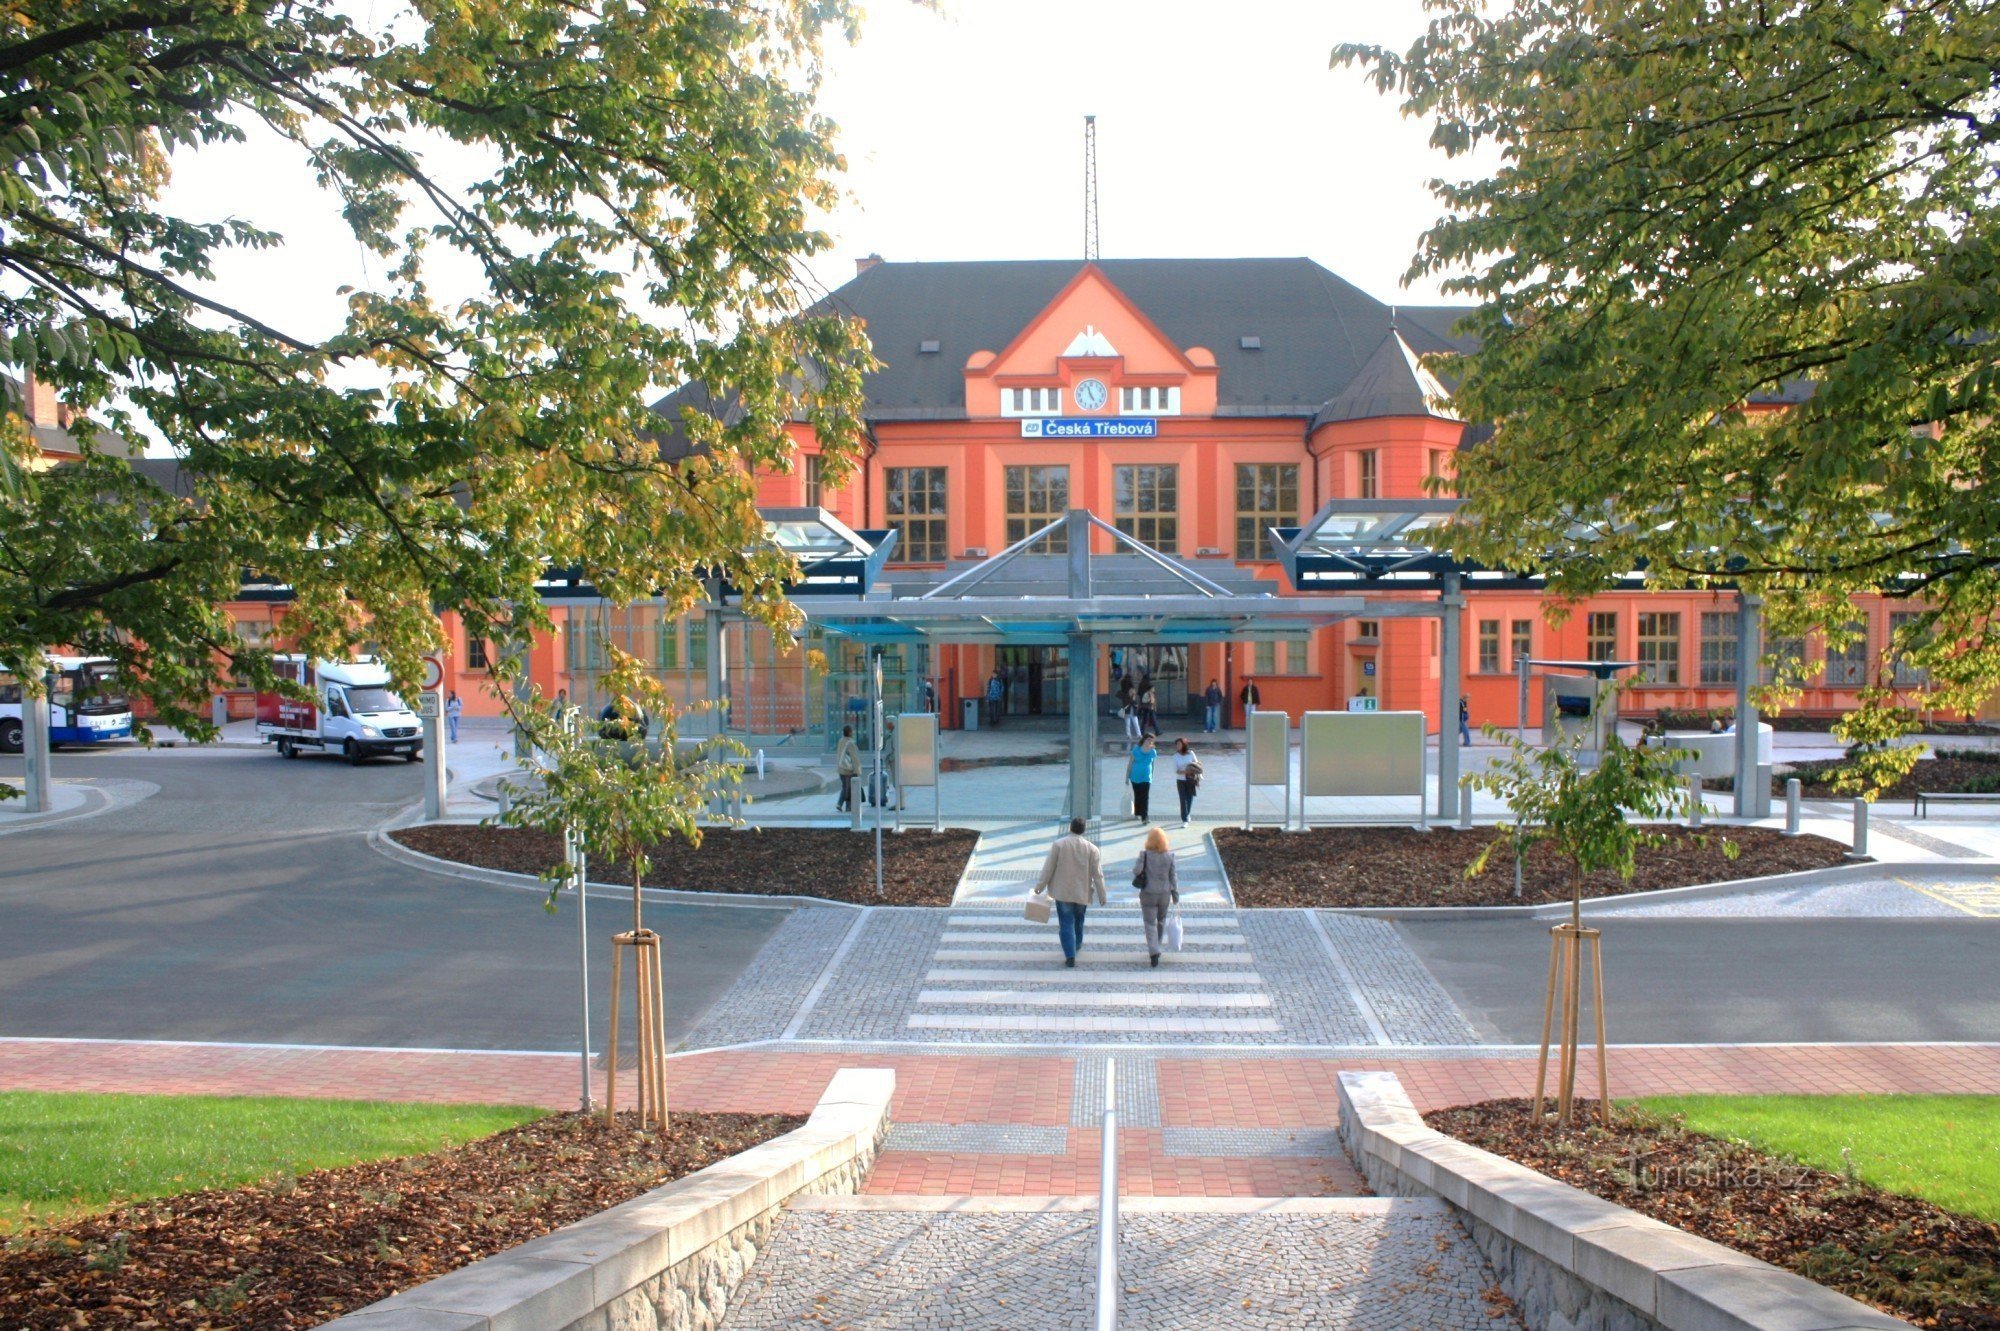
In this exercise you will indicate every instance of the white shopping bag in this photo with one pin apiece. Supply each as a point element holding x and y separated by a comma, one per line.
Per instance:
<point>1174,932</point>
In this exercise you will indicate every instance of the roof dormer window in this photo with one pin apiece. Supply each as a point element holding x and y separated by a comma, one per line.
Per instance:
<point>1149,401</point>
<point>1030,401</point>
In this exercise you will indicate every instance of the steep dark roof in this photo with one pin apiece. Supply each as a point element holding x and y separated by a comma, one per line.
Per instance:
<point>167,473</point>
<point>1390,383</point>
<point>56,438</point>
<point>1313,330</point>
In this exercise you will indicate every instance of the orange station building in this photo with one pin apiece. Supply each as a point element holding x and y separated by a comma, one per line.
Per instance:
<point>1195,404</point>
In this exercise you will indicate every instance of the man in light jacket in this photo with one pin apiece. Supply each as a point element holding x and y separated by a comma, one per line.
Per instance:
<point>1073,874</point>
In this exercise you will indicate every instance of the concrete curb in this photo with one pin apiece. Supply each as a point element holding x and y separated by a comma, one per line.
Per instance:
<point>683,1246</point>
<point>1837,873</point>
<point>1570,1258</point>
<point>1221,867</point>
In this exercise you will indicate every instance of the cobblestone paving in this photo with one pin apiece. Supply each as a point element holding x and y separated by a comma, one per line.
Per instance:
<point>1413,1007</point>
<point>874,990</point>
<point>977,1139</point>
<point>1138,1091</point>
<point>760,1004</point>
<point>1260,1143</point>
<point>1376,1263</point>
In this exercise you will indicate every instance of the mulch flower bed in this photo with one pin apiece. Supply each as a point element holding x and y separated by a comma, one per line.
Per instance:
<point>919,867</point>
<point>296,1252</point>
<point>1397,866</point>
<point>1912,1259</point>
<point>1930,774</point>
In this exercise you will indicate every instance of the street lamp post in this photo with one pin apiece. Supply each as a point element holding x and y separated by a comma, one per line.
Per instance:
<point>878,790</point>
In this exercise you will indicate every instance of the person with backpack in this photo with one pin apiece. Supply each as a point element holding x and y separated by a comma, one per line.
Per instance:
<point>1187,777</point>
<point>1140,773</point>
<point>1159,888</point>
<point>847,762</point>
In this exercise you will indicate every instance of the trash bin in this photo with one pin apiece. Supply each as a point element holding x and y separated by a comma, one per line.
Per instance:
<point>969,712</point>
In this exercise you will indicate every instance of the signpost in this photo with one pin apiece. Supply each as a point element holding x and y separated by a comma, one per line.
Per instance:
<point>430,710</point>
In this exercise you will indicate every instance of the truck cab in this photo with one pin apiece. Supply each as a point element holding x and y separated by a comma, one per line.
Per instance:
<point>352,713</point>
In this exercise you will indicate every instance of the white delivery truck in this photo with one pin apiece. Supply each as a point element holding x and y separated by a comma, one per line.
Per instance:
<point>352,711</point>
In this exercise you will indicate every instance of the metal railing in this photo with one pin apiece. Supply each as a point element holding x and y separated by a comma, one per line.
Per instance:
<point>1107,1207</point>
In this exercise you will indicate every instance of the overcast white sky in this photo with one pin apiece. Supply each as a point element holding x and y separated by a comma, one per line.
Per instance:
<point>1221,131</point>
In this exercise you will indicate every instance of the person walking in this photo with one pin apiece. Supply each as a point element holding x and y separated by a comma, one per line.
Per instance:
<point>1073,873</point>
<point>1211,720</point>
<point>847,762</point>
<point>1464,719</point>
<point>1125,691</point>
<point>1134,732</point>
<point>1149,710</point>
<point>996,698</point>
<point>1187,777</point>
<point>1140,773</point>
<point>453,709</point>
<point>1249,697</point>
<point>1159,888</point>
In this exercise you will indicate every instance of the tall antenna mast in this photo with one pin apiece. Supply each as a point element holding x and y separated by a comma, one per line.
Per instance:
<point>1090,189</point>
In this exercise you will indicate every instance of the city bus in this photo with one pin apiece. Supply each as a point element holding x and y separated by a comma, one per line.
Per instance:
<point>86,705</point>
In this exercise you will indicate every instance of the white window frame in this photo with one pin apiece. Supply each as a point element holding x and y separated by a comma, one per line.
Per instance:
<point>1146,400</point>
<point>1031,402</point>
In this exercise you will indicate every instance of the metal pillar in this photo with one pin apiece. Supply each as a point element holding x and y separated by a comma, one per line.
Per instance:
<point>1749,651</point>
<point>434,765</point>
<point>1083,777</point>
<point>1450,680</point>
<point>717,667</point>
<point>35,748</point>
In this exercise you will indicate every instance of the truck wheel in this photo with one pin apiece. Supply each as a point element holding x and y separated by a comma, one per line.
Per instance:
<point>10,736</point>
<point>285,749</point>
<point>353,752</point>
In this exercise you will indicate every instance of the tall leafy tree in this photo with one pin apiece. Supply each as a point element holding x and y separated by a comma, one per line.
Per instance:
<point>568,204</point>
<point>1701,206</point>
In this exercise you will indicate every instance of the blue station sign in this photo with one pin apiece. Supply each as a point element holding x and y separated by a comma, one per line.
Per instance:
<point>1084,427</point>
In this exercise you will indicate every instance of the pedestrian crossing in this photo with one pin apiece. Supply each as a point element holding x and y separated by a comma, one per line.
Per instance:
<point>995,971</point>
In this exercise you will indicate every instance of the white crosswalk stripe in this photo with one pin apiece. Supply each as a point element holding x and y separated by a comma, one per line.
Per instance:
<point>1057,998</point>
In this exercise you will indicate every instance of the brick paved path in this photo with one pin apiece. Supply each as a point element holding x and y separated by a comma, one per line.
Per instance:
<point>1021,1124</point>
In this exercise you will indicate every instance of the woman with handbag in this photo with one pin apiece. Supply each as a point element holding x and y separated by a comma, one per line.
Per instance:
<point>1159,888</point>
<point>1187,777</point>
<point>1140,773</point>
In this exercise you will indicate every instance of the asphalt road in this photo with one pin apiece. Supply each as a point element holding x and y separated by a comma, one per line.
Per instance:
<point>1736,980</point>
<point>243,903</point>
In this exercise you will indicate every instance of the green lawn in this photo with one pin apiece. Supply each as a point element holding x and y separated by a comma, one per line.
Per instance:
<point>1943,1148</point>
<point>61,1154</point>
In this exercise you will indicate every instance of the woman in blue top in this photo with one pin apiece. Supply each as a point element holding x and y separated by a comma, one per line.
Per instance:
<point>1140,774</point>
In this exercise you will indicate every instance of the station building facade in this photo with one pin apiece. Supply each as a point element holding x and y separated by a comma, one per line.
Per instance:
<point>1195,404</point>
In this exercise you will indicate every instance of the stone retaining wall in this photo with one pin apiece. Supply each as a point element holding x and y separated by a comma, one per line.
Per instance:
<point>665,1261</point>
<point>1573,1261</point>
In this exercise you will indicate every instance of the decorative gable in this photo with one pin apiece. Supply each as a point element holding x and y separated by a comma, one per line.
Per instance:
<point>1091,335</point>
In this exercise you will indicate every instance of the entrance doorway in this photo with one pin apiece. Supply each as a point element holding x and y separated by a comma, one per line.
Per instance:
<point>1164,666</point>
<point>1037,680</point>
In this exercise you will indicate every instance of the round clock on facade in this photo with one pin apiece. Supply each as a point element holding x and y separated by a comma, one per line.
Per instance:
<point>1090,394</point>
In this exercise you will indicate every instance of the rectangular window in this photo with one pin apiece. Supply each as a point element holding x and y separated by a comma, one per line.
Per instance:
<point>697,641</point>
<point>1147,505</point>
<point>1847,664</point>
<point>1601,636</point>
<point>811,471</point>
<point>1440,468</point>
<point>1659,647</point>
<point>1489,646</point>
<point>1267,494</point>
<point>670,644</point>
<point>1037,496</point>
<point>1718,647</point>
<point>1368,480</point>
<point>1149,401</point>
<point>1367,630</point>
<point>1523,642</point>
<point>1030,401</point>
<point>1297,649</point>
<point>1906,675</point>
<point>1784,661</point>
<point>1266,658</point>
<point>475,654</point>
<point>914,500</point>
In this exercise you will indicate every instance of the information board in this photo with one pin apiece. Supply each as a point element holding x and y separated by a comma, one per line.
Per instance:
<point>1361,753</point>
<point>916,750</point>
<point>1269,739</point>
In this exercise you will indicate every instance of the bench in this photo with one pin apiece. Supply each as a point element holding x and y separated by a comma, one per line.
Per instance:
<point>1926,798</point>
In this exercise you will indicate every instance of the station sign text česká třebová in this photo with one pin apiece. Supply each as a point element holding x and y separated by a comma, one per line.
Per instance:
<point>1073,427</point>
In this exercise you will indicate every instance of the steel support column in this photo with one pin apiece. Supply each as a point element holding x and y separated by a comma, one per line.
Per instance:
<point>1450,681</point>
<point>1083,779</point>
<point>717,667</point>
<point>1749,652</point>
<point>35,748</point>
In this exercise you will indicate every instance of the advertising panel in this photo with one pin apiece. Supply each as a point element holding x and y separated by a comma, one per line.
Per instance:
<point>1269,739</point>
<point>916,750</point>
<point>1362,753</point>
